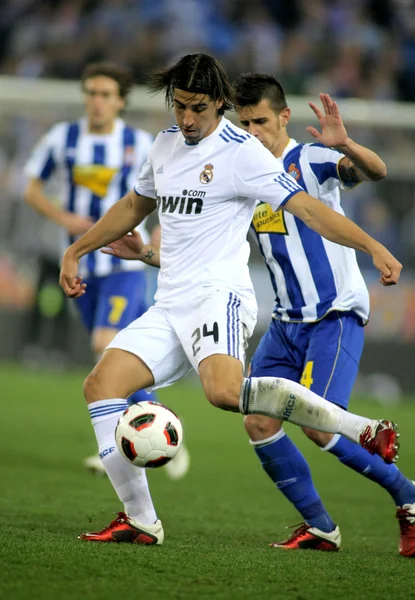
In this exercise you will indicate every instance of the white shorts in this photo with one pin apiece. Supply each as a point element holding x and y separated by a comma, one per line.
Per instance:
<point>172,341</point>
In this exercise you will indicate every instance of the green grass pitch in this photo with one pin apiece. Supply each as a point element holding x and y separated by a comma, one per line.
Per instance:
<point>218,520</point>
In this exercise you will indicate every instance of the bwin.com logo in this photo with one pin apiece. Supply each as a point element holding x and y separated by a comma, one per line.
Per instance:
<point>190,202</point>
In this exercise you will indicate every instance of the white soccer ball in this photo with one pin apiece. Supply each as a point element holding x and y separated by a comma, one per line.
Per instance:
<point>148,434</point>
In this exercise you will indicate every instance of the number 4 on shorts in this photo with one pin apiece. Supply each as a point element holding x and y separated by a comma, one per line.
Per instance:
<point>214,332</point>
<point>206,333</point>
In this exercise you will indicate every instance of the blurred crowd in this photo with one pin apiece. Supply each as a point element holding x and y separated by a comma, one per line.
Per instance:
<point>359,48</point>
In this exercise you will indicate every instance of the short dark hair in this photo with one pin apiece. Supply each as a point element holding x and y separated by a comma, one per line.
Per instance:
<point>251,88</point>
<point>198,73</point>
<point>121,75</point>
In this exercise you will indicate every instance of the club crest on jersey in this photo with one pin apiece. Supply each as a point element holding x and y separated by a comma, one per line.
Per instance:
<point>206,175</point>
<point>294,171</point>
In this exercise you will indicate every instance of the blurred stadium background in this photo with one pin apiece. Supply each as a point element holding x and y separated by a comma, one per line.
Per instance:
<point>360,51</point>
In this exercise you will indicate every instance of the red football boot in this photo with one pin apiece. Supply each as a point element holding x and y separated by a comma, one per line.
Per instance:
<point>381,438</point>
<point>124,529</point>
<point>306,537</point>
<point>406,518</point>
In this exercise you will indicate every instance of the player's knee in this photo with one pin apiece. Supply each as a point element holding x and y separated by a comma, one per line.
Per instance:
<point>93,387</point>
<point>320,438</point>
<point>259,427</point>
<point>224,397</point>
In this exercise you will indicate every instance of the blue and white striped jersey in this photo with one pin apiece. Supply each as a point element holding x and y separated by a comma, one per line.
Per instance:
<point>310,275</point>
<point>96,170</point>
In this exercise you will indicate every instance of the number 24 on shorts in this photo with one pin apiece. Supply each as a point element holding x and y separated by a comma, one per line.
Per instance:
<point>205,333</point>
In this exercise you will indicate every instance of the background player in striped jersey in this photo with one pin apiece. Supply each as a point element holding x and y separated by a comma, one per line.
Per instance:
<point>205,303</point>
<point>322,304</point>
<point>98,159</point>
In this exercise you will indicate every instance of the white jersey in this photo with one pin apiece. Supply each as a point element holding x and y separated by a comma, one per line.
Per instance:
<point>310,275</point>
<point>206,195</point>
<point>96,170</point>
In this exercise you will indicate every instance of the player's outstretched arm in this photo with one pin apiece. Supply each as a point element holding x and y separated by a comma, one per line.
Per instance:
<point>121,218</point>
<point>341,230</point>
<point>131,247</point>
<point>360,163</point>
<point>35,197</point>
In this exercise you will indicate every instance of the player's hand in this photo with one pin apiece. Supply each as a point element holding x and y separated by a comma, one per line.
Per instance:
<point>75,224</point>
<point>390,268</point>
<point>333,132</point>
<point>69,279</point>
<point>128,247</point>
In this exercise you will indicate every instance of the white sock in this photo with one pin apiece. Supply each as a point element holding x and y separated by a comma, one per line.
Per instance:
<point>269,440</point>
<point>129,482</point>
<point>287,400</point>
<point>331,443</point>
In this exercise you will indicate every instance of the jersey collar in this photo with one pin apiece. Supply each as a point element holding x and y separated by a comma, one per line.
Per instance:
<point>212,136</point>
<point>118,125</point>
<point>291,144</point>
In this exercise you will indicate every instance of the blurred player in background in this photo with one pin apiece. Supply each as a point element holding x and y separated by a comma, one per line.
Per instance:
<point>204,176</point>
<point>98,158</point>
<point>322,305</point>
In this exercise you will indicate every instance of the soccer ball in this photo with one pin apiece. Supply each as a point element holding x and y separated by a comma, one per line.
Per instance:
<point>148,434</point>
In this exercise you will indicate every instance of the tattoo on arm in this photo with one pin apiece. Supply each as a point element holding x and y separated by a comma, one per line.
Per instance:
<point>150,255</point>
<point>348,172</point>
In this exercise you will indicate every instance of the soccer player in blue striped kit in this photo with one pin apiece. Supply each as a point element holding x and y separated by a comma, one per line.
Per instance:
<point>98,158</point>
<point>322,304</point>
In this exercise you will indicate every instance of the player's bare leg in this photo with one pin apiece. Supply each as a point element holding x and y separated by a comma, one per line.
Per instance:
<point>100,338</point>
<point>176,468</point>
<point>115,377</point>
<point>260,428</point>
<point>221,377</point>
<point>226,388</point>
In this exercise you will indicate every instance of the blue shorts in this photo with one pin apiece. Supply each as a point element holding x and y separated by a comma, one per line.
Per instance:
<point>114,300</point>
<point>323,356</point>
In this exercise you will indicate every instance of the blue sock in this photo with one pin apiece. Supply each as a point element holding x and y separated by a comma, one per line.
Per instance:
<point>371,466</point>
<point>288,469</point>
<point>140,396</point>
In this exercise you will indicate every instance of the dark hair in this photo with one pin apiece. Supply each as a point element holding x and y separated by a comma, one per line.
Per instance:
<point>121,75</point>
<point>251,88</point>
<point>198,73</point>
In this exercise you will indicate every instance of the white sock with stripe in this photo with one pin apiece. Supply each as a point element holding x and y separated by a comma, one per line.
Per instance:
<point>129,482</point>
<point>287,400</point>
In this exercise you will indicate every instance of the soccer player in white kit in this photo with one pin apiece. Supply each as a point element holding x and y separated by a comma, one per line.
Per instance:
<point>204,176</point>
<point>98,159</point>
